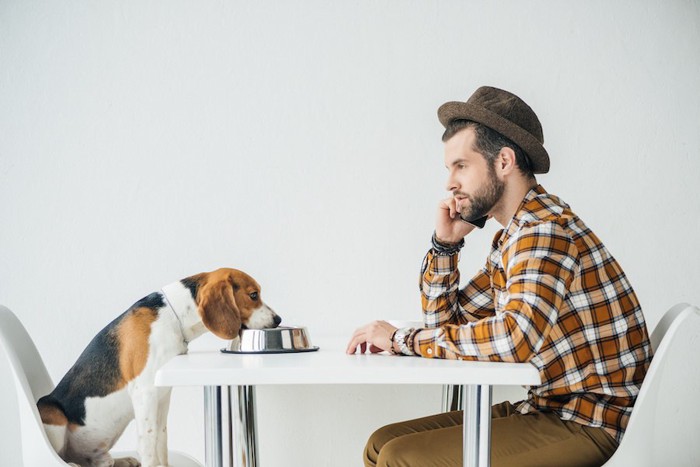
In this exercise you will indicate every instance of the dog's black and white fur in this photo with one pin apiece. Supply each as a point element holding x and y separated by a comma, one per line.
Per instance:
<point>112,382</point>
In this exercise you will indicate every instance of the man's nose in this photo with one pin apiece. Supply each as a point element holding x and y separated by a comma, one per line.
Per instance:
<point>452,184</point>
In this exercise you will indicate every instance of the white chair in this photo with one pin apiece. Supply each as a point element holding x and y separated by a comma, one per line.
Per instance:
<point>665,423</point>
<point>32,381</point>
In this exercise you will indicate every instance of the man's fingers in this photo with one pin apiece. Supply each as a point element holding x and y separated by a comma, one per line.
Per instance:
<point>354,342</point>
<point>453,208</point>
<point>358,340</point>
<point>448,204</point>
<point>370,337</point>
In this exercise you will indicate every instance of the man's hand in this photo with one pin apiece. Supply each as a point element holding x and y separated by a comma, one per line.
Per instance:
<point>448,226</point>
<point>375,335</point>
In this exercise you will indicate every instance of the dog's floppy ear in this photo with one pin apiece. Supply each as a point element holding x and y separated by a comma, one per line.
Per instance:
<point>218,308</point>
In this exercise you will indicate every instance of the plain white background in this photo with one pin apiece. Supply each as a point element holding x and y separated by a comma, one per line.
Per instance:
<point>142,142</point>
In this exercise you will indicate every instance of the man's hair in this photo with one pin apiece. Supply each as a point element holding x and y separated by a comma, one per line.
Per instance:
<point>489,142</point>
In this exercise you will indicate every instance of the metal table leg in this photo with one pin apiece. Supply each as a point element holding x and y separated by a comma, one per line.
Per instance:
<point>212,427</point>
<point>451,397</point>
<point>243,445</point>
<point>477,425</point>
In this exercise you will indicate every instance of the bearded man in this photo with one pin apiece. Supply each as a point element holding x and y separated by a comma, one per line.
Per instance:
<point>550,294</point>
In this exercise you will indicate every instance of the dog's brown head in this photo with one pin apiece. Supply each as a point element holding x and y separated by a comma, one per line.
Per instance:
<point>229,299</point>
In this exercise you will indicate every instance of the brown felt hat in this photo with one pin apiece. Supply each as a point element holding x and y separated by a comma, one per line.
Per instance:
<point>505,113</point>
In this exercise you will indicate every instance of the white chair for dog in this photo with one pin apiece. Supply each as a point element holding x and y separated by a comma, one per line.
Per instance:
<point>665,422</point>
<point>32,381</point>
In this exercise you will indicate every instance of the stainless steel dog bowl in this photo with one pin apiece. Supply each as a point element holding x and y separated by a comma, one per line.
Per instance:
<point>284,339</point>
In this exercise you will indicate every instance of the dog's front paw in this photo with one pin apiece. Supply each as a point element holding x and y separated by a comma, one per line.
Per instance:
<point>126,462</point>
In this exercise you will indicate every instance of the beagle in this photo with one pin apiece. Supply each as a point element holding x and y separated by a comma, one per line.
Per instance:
<point>112,382</point>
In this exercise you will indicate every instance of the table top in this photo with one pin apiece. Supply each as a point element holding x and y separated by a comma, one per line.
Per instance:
<point>331,365</point>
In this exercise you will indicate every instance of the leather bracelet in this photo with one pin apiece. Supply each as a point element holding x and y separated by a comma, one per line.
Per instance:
<point>391,341</point>
<point>444,248</point>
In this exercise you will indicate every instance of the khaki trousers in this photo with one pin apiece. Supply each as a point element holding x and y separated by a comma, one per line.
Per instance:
<point>539,439</point>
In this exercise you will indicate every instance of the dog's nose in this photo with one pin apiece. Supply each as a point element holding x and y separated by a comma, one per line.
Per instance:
<point>277,320</point>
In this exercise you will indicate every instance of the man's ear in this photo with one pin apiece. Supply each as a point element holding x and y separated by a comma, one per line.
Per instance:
<point>218,308</point>
<point>506,162</point>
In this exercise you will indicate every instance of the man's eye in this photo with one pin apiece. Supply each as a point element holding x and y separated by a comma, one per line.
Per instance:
<point>254,296</point>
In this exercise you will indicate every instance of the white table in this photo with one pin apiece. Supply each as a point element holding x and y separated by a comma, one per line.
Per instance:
<point>330,365</point>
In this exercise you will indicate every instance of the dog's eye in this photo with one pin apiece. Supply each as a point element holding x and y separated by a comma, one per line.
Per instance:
<point>254,296</point>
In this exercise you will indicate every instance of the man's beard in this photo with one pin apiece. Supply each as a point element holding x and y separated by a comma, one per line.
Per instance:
<point>486,197</point>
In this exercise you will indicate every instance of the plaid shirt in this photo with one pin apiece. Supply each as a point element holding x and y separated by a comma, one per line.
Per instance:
<point>550,294</point>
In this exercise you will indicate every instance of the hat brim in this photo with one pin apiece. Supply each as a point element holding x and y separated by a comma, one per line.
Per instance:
<point>538,155</point>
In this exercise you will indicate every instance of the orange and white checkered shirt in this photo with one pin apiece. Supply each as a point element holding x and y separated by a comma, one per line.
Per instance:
<point>550,294</point>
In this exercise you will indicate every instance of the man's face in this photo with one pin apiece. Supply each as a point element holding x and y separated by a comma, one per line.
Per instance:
<point>472,181</point>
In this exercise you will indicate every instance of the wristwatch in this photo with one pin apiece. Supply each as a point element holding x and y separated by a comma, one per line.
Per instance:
<point>401,338</point>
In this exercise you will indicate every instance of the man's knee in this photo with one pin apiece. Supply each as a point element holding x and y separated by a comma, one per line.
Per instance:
<point>402,443</point>
<point>376,442</point>
<point>397,453</point>
<point>390,446</point>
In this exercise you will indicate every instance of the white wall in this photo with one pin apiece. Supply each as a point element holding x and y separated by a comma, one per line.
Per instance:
<point>141,142</point>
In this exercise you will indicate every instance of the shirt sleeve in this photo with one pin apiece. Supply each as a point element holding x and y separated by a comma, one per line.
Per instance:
<point>539,263</point>
<point>442,300</point>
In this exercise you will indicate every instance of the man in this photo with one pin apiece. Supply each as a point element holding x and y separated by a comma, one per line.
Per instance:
<point>550,294</point>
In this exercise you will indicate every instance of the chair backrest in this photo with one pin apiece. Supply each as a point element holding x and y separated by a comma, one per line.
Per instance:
<point>32,381</point>
<point>665,422</point>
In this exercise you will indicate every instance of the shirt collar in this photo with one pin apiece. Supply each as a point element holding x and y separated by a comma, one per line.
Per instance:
<point>536,206</point>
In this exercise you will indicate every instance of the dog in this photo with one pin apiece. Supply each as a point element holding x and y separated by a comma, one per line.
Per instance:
<point>112,382</point>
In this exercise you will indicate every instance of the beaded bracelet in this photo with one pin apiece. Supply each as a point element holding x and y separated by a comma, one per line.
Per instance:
<point>410,340</point>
